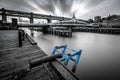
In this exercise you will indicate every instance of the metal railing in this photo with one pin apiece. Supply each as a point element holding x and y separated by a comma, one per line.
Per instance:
<point>67,57</point>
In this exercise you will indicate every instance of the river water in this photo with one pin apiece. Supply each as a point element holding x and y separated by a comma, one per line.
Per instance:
<point>100,59</point>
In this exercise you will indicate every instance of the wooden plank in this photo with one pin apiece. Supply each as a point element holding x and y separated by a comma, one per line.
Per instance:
<point>19,57</point>
<point>16,66</point>
<point>63,72</point>
<point>22,58</point>
<point>35,73</point>
<point>17,52</point>
<point>14,59</point>
<point>31,40</point>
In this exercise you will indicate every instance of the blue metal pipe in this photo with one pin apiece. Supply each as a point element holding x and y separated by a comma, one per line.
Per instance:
<point>67,57</point>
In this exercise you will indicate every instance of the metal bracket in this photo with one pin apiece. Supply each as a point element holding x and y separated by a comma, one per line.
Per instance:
<point>67,57</point>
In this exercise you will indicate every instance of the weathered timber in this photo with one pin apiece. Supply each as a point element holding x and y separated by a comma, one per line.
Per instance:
<point>44,60</point>
<point>31,40</point>
<point>63,71</point>
<point>14,60</point>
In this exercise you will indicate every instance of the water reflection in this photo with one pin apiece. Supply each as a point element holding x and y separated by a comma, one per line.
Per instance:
<point>100,57</point>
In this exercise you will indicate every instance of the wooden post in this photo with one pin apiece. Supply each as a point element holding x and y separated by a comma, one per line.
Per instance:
<point>20,38</point>
<point>23,35</point>
<point>32,33</point>
<point>45,59</point>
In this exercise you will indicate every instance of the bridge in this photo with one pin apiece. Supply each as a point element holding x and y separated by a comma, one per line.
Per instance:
<point>82,27</point>
<point>45,28</point>
<point>5,12</point>
<point>48,24</point>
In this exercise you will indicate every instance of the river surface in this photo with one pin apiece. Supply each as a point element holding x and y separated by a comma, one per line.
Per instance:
<point>100,59</point>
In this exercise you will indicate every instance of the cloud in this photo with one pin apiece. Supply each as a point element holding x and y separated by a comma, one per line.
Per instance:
<point>84,9</point>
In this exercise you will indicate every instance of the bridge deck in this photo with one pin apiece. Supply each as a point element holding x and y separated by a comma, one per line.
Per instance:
<point>15,60</point>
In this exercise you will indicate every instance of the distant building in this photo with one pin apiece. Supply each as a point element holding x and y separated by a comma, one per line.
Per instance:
<point>111,21</point>
<point>97,19</point>
<point>90,21</point>
<point>72,21</point>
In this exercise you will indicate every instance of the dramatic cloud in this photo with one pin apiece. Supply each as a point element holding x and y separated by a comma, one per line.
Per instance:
<point>83,9</point>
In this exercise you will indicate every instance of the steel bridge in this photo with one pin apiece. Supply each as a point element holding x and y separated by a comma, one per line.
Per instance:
<point>50,24</point>
<point>5,12</point>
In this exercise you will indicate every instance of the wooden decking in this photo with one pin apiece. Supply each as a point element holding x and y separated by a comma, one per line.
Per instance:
<point>14,61</point>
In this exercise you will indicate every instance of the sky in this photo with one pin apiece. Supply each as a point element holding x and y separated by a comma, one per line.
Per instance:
<point>82,9</point>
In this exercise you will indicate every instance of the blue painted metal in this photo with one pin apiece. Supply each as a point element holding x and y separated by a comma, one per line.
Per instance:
<point>67,57</point>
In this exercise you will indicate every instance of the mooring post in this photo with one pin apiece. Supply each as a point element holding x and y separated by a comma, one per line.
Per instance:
<point>44,59</point>
<point>20,38</point>
<point>23,35</point>
<point>32,34</point>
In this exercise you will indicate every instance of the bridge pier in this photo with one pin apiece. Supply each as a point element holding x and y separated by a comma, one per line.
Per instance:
<point>49,20</point>
<point>31,18</point>
<point>32,33</point>
<point>4,16</point>
<point>70,28</point>
<point>14,23</point>
<point>45,29</point>
<point>31,22</point>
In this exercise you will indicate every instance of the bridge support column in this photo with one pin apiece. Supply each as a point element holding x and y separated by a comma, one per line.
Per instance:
<point>49,20</point>
<point>70,28</point>
<point>32,33</point>
<point>45,29</point>
<point>60,20</point>
<point>31,18</point>
<point>31,21</point>
<point>4,17</point>
<point>14,23</point>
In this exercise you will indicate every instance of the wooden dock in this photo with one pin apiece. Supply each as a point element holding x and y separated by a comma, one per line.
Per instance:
<point>14,61</point>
